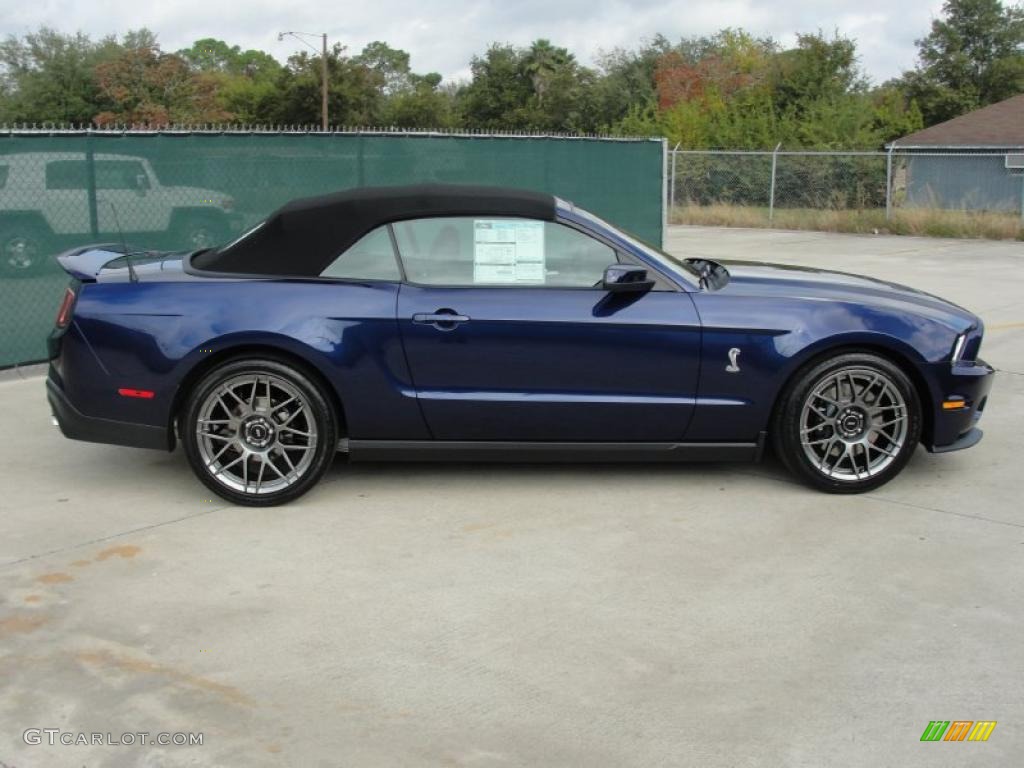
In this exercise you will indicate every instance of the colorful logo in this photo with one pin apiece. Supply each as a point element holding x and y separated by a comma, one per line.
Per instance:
<point>958,730</point>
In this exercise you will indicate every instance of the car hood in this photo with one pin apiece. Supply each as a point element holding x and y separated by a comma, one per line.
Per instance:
<point>784,280</point>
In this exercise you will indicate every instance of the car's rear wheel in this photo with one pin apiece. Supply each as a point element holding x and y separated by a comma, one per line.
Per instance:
<point>259,432</point>
<point>848,424</point>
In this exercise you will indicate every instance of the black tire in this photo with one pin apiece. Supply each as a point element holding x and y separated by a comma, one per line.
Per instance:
<point>311,407</point>
<point>844,430</point>
<point>24,250</point>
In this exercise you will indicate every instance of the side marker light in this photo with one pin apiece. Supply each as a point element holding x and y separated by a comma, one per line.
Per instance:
<point>144,394</point>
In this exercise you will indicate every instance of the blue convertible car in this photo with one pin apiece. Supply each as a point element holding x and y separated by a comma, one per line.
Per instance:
<point>476,323</point>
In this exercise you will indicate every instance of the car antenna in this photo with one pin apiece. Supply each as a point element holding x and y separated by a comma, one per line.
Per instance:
<point>127,256</point>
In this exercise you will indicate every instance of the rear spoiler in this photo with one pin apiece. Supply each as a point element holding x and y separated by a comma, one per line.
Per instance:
<point>86,262</point>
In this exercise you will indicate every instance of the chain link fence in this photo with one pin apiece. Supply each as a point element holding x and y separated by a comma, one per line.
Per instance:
<point>905,191</point>
<point>188,189</point>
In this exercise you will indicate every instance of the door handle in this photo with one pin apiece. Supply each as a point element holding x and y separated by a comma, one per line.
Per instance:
<point>443,319</point>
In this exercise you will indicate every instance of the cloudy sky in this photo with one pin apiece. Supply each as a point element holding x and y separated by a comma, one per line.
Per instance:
<point>442,35</point>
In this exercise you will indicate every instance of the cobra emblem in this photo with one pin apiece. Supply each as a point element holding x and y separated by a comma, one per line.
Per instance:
<point>733,366</point>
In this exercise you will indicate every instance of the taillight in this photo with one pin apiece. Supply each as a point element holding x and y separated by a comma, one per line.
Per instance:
<point>64,313</point>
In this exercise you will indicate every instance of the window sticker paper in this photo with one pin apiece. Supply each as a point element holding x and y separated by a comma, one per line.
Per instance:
<point>508,251</point>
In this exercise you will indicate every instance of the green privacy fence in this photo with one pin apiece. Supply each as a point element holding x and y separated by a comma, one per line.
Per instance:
<point>191,189</point>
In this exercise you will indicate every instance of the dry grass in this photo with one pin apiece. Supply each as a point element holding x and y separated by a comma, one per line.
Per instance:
<point>926,222</point>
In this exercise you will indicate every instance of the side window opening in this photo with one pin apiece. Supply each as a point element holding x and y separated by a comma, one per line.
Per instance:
<point>120,174</point>
<point>498,251</point>
<point>66,174</point>
<point>576,259</point>
<point>437,251</point>
<point>372,257</point>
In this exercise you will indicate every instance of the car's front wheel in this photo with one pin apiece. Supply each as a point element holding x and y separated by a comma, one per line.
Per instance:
<point>849,423</point>
<point>258,432</point>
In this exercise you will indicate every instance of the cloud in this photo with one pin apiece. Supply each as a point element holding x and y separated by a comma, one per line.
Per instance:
<point>442,36</point>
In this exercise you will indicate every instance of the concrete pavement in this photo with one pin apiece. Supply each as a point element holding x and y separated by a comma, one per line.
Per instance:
<point>530,615</point>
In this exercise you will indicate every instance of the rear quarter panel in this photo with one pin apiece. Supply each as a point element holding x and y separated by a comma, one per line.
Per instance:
<point>151,335</point>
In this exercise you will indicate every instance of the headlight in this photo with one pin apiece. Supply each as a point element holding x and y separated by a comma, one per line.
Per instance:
<point>959,347</point>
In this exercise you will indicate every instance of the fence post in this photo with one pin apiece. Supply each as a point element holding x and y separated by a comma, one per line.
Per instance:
<point>360,161</point>
<point>664,189</point>
<point>90,184</point>
<point>888,183</point>
<point>672,181</point>
<point>771,194</point>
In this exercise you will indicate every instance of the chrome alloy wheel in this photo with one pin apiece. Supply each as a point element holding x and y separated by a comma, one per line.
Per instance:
<point>256,434</point>
<point>853,424</point>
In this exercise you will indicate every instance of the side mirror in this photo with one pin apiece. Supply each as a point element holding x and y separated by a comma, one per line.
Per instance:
<point>141,182</point>
<point>626,278</point>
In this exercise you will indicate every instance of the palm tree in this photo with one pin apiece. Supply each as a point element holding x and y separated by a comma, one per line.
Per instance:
<point>543,60</point>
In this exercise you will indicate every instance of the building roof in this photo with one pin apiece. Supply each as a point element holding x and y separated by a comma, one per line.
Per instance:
<point>997,126</point>
<point>302,238</point>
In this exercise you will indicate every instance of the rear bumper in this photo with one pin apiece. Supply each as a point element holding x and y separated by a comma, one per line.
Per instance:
<point>956,430</point>
<point>77,426</point>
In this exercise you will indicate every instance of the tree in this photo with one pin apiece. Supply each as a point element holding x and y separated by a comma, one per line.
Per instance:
<point>391,64</point>
<point>625,86</point>
<point>50,77</point>
<point>499,91</point>
<point>973,56</point>
<point>724,63</point>
<point>818,69</point>
<point>544,62</point>
<point>735,91</point>
<point>242,83</point>
<point>249,100</point>
<point>726,90</point>
<point>562,98</point>
<point>353,91</point>
<point>144,86</point>
<point>540,88</point>
<point>216,56</point>
<point>893,115</point>
<point>425,104</point>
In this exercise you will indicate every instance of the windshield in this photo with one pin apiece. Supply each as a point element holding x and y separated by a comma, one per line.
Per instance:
<point>657,254</point>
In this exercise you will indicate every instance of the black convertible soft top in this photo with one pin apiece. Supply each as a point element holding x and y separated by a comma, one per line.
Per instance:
<point>303,237</point>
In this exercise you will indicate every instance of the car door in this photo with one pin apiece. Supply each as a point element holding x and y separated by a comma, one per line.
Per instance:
<point>509,336</point>
<point>351,313</point>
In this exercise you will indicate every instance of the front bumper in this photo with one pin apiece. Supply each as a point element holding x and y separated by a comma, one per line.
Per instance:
<point>77,426</point>
<point>957,429</point>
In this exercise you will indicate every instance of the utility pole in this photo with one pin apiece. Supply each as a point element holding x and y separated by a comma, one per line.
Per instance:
<point>323,68</point>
